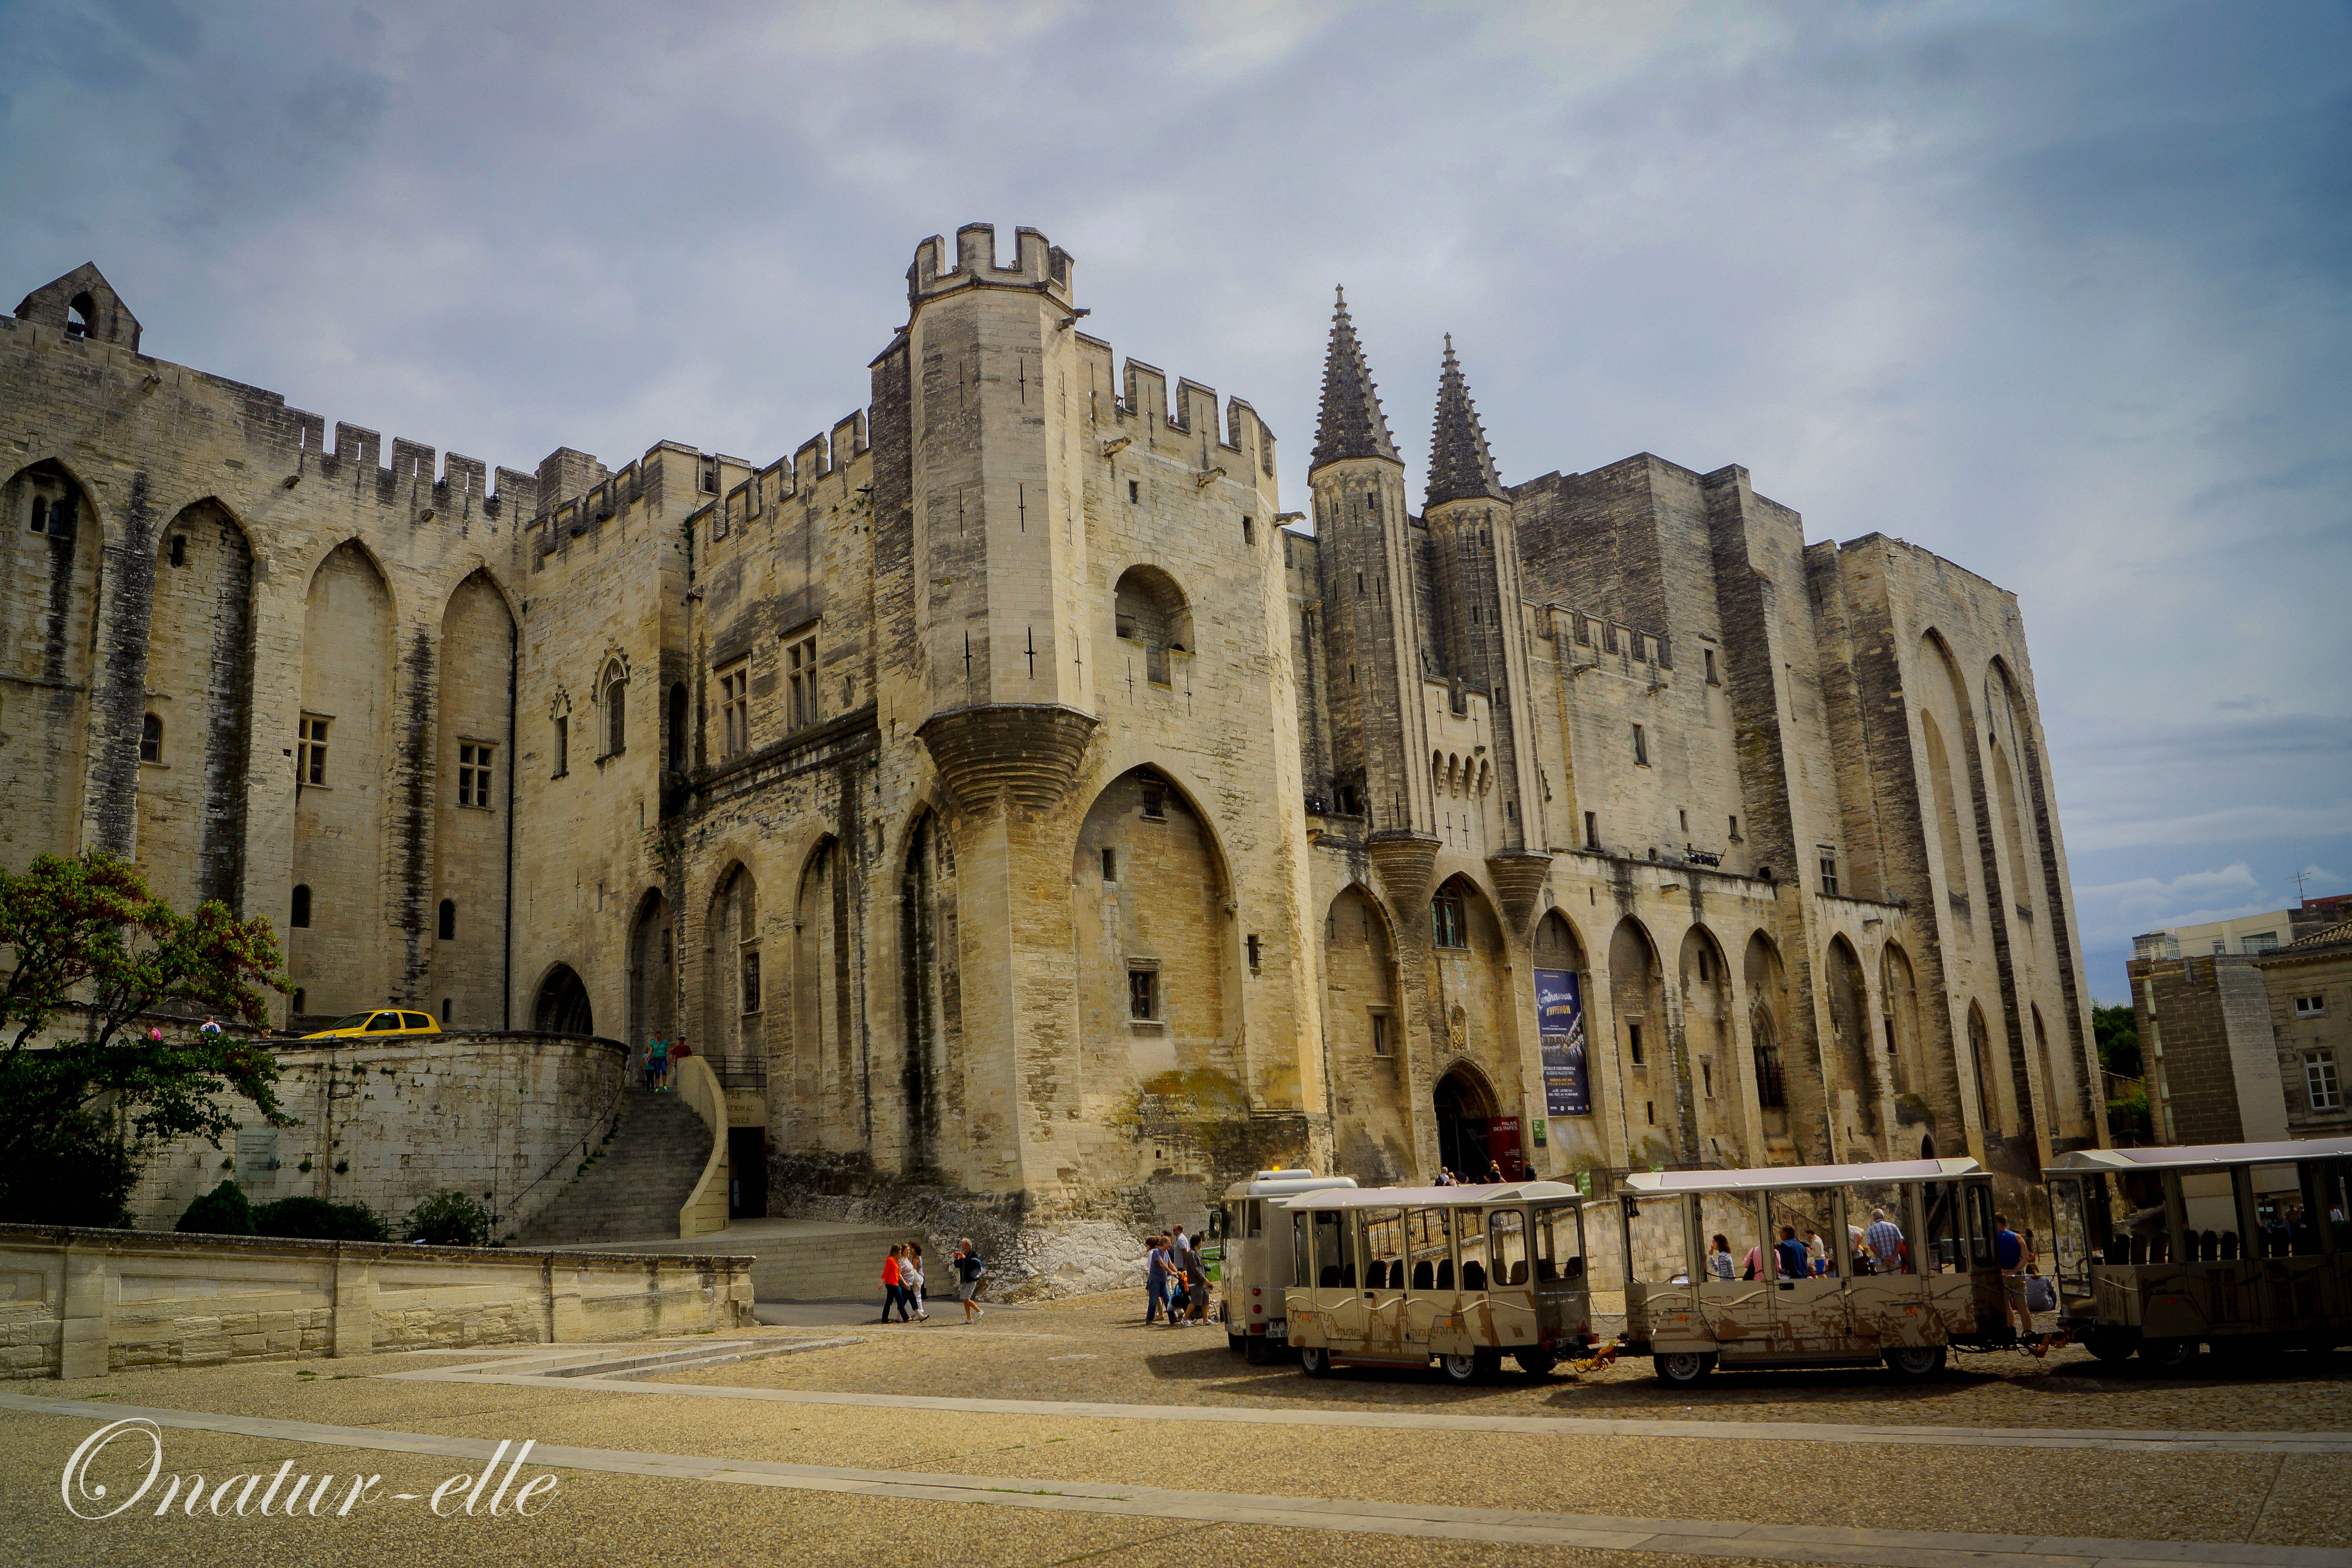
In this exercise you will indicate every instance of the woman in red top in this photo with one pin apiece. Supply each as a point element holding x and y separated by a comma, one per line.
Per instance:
<point>891,1296</point>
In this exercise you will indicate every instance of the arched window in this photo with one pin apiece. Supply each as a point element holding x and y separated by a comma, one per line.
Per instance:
<point>1148,608</point>
<point>448,920</point>
<point>616,712</point>
<point>1771,1092</point>
<point>302,913</point>
<point>151,739</point>
<point>82,316</point>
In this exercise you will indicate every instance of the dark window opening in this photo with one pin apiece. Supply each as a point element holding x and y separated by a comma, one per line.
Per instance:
<point>750,982</point>
<point>710,476</point>
<point>1591,830</point>
<point>1134,491</point>
<point>1253,953</point>
<point>302,913</point>
<point>1448,923</point>
<point>1650,1110</point>
<point>444,1012</point>
<point>563,744</point>
<point>1829,875</point>
<point>53,515</point>
<point>678,728</point>
<point>300,997</point>
<point>617,716</point>
<point>1155,802</point>
<point>151,739</point>
<point>1249,531</point>
<point>1641,747</point>
<point>1143,994</point>
<point>1706,1079</point>
<point>1735,828</point>
<point>1633,1043</point>
<point>82,316</point>
<point>1712,678</point>
<point>1379,1034</point>
<point>179,550</point>
<point>448,925</point>
<point>1110,865</point>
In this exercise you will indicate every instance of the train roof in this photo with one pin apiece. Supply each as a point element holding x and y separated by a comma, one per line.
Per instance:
<point>1281,1183</point>
<point>2204,1155</point>
<point>1462,1193</point>
<point>1666,1181</point>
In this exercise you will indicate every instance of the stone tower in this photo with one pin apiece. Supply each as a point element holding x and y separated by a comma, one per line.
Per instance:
<point>1474,557</point>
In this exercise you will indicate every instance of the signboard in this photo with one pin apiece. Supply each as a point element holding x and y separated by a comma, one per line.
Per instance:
<point>1560,1025</point>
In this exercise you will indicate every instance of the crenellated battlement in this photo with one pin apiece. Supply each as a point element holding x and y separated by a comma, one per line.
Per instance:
<point>817,473</point>
<point>1140,394</point>
<point>1037,264</point>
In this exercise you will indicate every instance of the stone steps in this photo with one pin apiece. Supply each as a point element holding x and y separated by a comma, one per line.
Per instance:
<point>636,1188</point>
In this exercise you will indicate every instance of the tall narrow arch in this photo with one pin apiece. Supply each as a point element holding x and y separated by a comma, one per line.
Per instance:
<point>1764,980</point>
<point>822,993</point>
<point>473,747</point>
<point>1476,1139</point>
<point>653,970</point>
<point>1899,1002</point>
<point>342,801</point>
<point>50,568</point>
<point>1637,997</point>
<point>929,979</point>
<point>734,995</point>
<point>612,708</point>
<point>200,649</point>
<point>1363,1027</point>
<point>1850,1037</point>
<point>1980,1068</point>
<point>1710,1030</point>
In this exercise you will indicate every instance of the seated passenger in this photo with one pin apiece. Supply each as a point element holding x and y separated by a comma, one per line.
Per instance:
<point>1474,1277</point>
<point>1573,1268</point>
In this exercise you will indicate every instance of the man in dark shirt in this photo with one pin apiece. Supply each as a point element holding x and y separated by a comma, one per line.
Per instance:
<point>1788,1256</point>
<point>2008,1252</point>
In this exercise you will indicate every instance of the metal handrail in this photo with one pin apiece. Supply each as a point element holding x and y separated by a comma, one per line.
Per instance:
<point>609,1118</point>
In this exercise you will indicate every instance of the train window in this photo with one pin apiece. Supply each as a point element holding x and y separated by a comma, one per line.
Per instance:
<point>1507,1239</point>
<point>1559,1238</point>
<point>1429,1244</point>
<point>1471,1238</point>
<point>1253,1216</point>
<point>1384,1249</point>
<point>1333,1250</point>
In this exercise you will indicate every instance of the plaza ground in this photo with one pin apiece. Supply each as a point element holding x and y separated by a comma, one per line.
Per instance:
<point>1071,1432</point>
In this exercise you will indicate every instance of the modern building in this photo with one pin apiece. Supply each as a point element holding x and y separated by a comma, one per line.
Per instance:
<point>1000,793</point>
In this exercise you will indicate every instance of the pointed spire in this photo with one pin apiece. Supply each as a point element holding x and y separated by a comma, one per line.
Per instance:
<point>1351,425</point>
<point>1460,466</point>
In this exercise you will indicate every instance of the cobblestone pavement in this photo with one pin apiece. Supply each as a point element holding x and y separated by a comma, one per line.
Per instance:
<point>830,1511</point>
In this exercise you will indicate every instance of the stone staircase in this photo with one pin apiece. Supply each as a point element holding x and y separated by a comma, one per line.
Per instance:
<point>635,1190</point>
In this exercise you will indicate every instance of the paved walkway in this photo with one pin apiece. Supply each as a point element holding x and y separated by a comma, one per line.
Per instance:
<point>1690,1537</point>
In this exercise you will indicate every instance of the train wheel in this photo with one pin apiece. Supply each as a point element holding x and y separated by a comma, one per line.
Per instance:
<point>1258,1350</point>
<point>1915,1364</point>
<point>1538,1362</point>
<point>1684,1370</point>
<point>2107,1345</point>
<point>1314,1360</point>
<point>2169,1355</point>
<point>1237,1343</point>
<point>1461,1369</point>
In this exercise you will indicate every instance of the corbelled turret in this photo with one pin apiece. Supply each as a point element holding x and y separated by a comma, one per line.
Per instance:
<point>1351,425</point>
<point>1460,466</point>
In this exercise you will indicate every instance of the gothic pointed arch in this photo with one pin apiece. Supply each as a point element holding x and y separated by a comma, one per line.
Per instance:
<point>734,987</point>
<point>51,567</point>
<point>560,1006</point>
<point>653,970</point>
<point>473,796</point>
<point>343,782</point>
<point>1363,1031</point>
<point>931,992</point>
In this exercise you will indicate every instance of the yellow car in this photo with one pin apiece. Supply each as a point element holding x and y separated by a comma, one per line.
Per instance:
<point>382,1021</point>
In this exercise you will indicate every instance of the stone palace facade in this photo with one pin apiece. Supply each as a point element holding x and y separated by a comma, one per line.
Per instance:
<point>1003,794</point>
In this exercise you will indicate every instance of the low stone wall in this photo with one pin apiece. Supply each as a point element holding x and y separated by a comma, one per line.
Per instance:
<point>388,1124</point>
<point>80,1303</point>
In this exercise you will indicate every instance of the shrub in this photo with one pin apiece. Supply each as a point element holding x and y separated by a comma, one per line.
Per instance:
<point>224,1211</point>
<point>319,1220</point>
<point>2127,1120</point>
<point>449,1219</point>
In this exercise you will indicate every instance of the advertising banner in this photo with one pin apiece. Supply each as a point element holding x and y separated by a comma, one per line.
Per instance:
<point>1560,1024</point>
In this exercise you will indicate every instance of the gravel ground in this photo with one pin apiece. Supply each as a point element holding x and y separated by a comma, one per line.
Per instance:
<point>1098,1348</point>
<point>1096,1351</point>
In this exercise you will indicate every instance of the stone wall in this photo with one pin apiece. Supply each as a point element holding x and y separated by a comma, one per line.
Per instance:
<point>82,1303</point>
<point>501,1118</point>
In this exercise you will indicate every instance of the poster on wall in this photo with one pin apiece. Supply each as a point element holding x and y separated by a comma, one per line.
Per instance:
<point>1560,1025</point>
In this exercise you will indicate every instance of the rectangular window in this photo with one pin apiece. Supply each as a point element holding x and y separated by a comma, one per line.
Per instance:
<point>750,982</point>
<point>1641,747</point>
<point>2310,1006</point>
<point>2261,941</point>
<point>1829,875</point>
<point>1134,491</point>
<point>179,550</point>
<point>1591,830</point>
<point>1380,1033</point>
<point>1143,994</point>
<point>2319,1076</point>
<point>1684,817</point>
<point>1706,1079</point>
<point>1110,864</point>
<point>735,710</point>
<point>1712,678</point>
<point>1650,1110</point>
<point>1249,531</point>
<point>310,760</point>
<point>474,774</point>
<point>800,666</point>
<point>563,744</point>
<point>1155,802</point>
<point>1253,952</point>
<point>1633,1043</point>
<point>1734,829</point>
<point>151,739</point>
<point>1447,925</point>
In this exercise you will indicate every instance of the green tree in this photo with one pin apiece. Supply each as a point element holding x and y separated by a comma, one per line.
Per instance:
<point>79,1118</point>
<point>2117,1033</point>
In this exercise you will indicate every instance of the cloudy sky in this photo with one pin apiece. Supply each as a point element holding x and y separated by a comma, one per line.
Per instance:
<point>2061,293</point>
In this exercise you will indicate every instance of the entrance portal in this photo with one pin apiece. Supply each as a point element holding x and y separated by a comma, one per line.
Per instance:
<point>562,1006</point>
<point>1472,1137</point>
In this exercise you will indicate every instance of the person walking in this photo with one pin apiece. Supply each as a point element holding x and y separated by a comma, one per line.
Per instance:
<point>656,1062</point>
<point>1884,1239</point>
<point>890,1297</point>
<point>1196,1281</point>
<point>2008,1252</point>
<point>910,1279</point>
<point>1155,1278</point>
<point>968,1267</point>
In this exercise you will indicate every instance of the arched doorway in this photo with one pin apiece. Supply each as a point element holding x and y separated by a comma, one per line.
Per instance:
<point>563,1006</point>
<point>1472,1136</point>
<point>653,988</point>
